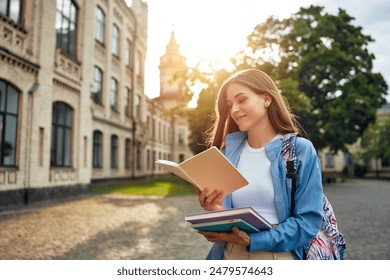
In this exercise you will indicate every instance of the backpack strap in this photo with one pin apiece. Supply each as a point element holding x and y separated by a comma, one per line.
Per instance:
<point>290,160</point>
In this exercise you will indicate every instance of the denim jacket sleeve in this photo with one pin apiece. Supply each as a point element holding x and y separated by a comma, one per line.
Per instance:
<point>295,231</point>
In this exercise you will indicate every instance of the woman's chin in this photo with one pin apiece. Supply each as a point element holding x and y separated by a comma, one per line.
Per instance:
<point>243,128</point>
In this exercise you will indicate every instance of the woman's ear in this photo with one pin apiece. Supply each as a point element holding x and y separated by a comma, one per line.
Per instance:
<point>267,99</point>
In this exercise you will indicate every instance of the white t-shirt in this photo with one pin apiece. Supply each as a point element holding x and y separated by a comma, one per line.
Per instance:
<point>259,193</point>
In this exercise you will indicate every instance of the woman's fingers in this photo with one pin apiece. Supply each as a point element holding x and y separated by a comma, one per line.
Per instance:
<point>236,236</point>
<point>202,197</point>
<point>210,198</point>
<point>211,201</point>
<point>214,236</point>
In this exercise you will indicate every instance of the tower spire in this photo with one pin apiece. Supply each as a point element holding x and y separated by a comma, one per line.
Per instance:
<point>171,63</point>
<point>173,46</point>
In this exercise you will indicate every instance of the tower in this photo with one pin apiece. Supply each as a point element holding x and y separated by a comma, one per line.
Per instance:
<point>172,90</point>
<point>171,63</point>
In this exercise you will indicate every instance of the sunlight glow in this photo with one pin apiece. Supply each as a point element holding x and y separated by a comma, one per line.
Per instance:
<point>209,32</point>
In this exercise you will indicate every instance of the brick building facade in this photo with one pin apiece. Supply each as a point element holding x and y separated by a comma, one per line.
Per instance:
<point>73,108</point>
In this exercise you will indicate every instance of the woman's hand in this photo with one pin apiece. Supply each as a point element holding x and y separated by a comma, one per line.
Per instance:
<point>211,202</point>
<point>236,236</point>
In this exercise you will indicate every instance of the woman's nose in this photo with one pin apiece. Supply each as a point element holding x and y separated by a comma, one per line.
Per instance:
<point>235,108</point>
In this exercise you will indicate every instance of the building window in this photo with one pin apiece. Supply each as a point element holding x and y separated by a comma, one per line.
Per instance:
<point>126,101</point>
<point>159,131</point>
<point>128,154</point>
<point>61,135</point>
<point>128,53</point>
<point>97,153</point>
<point>115,40</point>
<point>41,145</point>
<point>12,9</point>
<point>9,108</point>
<point>148,159</point>
<point>181,158</point>
<point>139,157</point>
<point>66,26</point>
<point>99,28</point>
<point>329,160</point>
<point>97,85</point>
<point>114,151</point>
<point>85,151</point>
<point>181,135</point>
<point>153,129</point>
<point>114,94</point>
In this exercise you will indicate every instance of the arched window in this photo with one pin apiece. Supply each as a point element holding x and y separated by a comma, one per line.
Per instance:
<point>97,85</point>
<point>66,26</point>
<point>61,135</point>
<point>115,40</point>
<point>99,28</point>
<point>9,108</point>
<point>97,160</point>
<point>139,156</point>
<point>126,102</point>
<point>114,151</point>
<point>114,94</point>
<point>128,153</point>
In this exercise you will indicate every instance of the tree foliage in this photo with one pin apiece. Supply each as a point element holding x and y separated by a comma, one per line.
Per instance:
<point>328,57</point>
<point>322,66</point>
<point>375,143</point>
<point>201,118</point>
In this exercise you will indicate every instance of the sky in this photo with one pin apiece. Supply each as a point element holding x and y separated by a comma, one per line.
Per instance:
<point>217,29</point>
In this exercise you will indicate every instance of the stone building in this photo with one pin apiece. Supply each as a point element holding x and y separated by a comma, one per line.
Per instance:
<point>72,102</point>
<point>341,164</point>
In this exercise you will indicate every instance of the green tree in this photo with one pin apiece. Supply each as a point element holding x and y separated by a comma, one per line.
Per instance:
<point>376,143</point>
<point>322,66</point>
<point>201,118</point>
<point>323,59</point>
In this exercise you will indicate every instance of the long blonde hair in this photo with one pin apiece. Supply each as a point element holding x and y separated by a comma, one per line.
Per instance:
<point>281,117</point>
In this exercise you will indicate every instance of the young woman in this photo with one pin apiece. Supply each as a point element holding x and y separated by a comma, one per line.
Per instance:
<point>251,119</point>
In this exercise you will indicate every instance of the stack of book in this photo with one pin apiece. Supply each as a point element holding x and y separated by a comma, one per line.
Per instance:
<point>246,219</point>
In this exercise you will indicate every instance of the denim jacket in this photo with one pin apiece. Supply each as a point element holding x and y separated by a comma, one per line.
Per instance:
<point>292,233</point>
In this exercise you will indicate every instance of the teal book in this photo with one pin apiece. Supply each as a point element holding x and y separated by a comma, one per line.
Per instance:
<point>247,214</point>
<point>226,226</point>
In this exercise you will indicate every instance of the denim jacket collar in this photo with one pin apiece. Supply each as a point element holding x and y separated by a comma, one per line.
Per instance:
<point>235,142</point>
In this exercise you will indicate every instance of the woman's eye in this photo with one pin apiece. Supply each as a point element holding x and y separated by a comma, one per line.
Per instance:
<point>241,100</point>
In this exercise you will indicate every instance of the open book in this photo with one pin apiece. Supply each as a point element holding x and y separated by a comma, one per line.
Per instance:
<point>209,169</point>
<point>213,220</point>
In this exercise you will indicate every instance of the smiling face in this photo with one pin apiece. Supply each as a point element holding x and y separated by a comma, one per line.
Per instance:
<point>247,108</point>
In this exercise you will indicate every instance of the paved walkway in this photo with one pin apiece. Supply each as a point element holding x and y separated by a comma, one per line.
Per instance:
<point>105,227</point>
<point>112,227</point>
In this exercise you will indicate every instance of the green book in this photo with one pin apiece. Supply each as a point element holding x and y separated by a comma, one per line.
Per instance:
<point>226,226</point>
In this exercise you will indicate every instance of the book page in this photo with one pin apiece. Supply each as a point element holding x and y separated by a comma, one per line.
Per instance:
<point>174,168</point>
<point>212,170</point>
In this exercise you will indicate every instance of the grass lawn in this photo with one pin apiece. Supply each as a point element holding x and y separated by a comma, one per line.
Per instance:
<point>162,186</point>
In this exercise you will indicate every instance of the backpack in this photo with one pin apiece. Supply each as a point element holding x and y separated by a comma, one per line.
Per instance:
<point>329,243</point>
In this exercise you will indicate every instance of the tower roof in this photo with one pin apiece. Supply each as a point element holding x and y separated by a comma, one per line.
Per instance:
<point>173,46</point>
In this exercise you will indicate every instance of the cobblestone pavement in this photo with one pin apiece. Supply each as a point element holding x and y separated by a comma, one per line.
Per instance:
<point>113,227</point>
<point>362,208</point>
<point>103,227</point>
